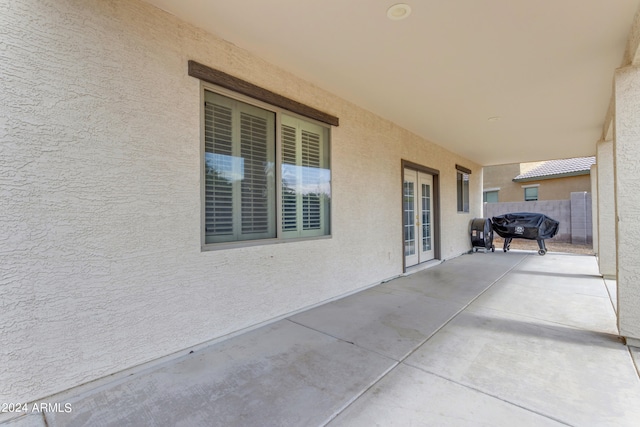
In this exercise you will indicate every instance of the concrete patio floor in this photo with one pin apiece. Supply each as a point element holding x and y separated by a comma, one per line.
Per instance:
<point>495,339</point>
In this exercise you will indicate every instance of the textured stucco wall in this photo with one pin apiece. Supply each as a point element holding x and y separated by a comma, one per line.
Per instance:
<point>627,167</point>
<point>501,177</point>
<point>594,207</point>
<point>560,188</point>
<point>549,189</point>
<point>100,159</point>
<point>606,210</point>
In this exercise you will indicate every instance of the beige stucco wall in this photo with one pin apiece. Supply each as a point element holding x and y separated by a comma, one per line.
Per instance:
<point>606,210</point>
<point>626,161</point>
<point>558,188</point>
<point>501,177</point>
<point>594,208</point>
<point>101,261</point>
<point>548,189</point>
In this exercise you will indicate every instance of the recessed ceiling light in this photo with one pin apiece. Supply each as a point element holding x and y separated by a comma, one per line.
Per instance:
<point>398,11</point>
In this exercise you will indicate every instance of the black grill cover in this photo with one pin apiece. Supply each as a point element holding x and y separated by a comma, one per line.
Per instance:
<point>525,225</point>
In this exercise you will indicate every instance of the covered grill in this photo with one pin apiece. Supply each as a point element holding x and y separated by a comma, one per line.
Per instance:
<point>525,225</point>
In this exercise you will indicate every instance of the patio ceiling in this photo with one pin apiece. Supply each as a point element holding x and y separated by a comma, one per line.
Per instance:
<point>496,81</point>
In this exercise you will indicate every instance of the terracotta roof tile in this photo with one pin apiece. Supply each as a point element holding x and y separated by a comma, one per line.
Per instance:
<point>556,168</point>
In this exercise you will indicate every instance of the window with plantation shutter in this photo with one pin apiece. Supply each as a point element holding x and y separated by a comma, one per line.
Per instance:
<point>240,199</point>
<point>254,149</point>
<point>311,217</point>
<point>249,193</point>
<point>306,179</point>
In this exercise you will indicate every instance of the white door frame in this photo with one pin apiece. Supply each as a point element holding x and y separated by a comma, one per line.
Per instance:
<point>410,218</point>
<point>429,176</point>
<point>425,212</point>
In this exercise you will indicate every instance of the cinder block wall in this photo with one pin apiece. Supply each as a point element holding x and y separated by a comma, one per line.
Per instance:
<point>581,232</point>
<point>574,215</point>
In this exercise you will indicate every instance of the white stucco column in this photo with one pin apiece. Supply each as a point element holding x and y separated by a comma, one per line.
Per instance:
<point>594,207</point>
<point>627,172</point>
<point>606,210</point>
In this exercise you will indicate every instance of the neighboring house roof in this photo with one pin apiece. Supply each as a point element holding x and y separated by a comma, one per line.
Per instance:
<point>558,169</point>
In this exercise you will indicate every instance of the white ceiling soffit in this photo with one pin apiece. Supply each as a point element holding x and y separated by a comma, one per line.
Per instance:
<point>496,81</point>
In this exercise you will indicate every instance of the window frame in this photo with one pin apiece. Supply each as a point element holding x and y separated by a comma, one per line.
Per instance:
<point>495,191</point>
<point>466,207</point>
<point>528,187</point>
<point>280,236</point>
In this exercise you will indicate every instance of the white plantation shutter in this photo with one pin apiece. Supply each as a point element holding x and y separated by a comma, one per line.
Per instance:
<point>305,179</point>
<point>254,150</point>
<point>289,179</point>
<point>239,180</point>
<point>311,213</point>
<point>218,189</point>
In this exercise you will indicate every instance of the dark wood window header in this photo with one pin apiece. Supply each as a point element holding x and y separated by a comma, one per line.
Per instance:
<point>235,84</point>
<point>419,168</point>
<point>463,169</point>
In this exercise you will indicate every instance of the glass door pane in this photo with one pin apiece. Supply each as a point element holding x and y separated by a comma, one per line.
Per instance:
<point>426,217</point>
<point>409,221</point>
<point>425,213</point>
<point>417,217</point>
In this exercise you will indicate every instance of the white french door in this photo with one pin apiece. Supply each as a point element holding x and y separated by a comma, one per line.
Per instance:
<point>417,206</point>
